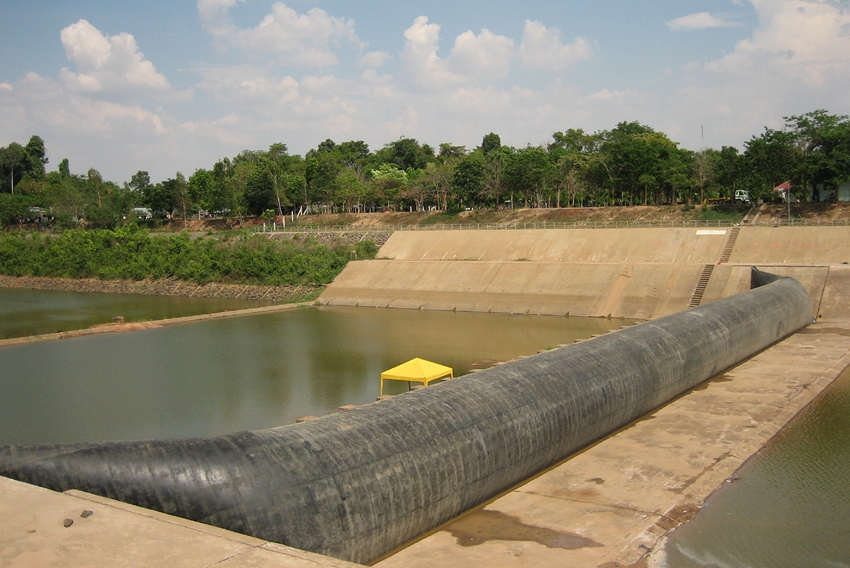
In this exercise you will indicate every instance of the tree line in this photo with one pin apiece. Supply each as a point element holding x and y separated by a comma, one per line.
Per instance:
<point>133,253</point>
<point>631,164</point>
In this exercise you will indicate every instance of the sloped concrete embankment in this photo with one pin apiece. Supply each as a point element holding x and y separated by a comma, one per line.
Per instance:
<point>631,273</point>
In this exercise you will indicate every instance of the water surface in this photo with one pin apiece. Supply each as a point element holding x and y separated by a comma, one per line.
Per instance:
<point>789,505</point>
<point>220,376</point>
<point>33,312</point>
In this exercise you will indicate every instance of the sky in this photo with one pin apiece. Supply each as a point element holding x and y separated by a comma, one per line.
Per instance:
<point>175,85</point>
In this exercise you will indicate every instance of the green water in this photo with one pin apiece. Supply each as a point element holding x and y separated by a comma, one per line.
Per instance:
<point>790,504</point>
<point>33,312</point>
<point>215,377</point>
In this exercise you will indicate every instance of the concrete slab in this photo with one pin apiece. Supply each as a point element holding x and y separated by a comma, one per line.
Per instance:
<point>101,532</point>
<point>792,245</point>
<point>835,304</point>
<point>581,289</point>
<point>609,505</point>
<point>631,273</point>
<point>682,245</point>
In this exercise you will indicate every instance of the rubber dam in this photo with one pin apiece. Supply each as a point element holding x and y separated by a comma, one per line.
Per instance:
<point>357,485</point>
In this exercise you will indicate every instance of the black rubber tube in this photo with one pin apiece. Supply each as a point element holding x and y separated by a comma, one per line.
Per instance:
<point>357,484</point>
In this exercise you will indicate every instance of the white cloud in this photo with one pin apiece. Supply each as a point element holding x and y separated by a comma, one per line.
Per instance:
<point>420,58</point>
<point>108,64</point>
<point>213,14</point>
<point>803,39</point>
<point>303,39</point>
<point>46,104</point>
<point>109,136</point>
<point>486,56</point>
<point>797,59</point>
<point>474,58</point>
<point>699,21</point>
<point>541,47</point>
<point>374,59</point>
<point>248,86</point>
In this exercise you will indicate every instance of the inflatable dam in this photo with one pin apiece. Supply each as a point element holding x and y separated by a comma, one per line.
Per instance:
<point>358,484</point>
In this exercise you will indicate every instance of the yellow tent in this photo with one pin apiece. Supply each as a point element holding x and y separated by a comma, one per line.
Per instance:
<point>416,371</point>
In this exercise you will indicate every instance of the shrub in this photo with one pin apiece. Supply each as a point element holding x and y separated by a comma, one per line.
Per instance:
<point>132,253</point>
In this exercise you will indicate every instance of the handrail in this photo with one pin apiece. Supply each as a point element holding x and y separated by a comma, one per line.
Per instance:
<point>548,225</point>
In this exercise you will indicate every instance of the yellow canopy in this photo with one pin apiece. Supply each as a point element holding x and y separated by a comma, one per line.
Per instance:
<point>417,371</point>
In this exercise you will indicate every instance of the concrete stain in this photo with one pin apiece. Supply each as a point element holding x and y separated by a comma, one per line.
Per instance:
<point>724,378</point>
<point>482,526</point>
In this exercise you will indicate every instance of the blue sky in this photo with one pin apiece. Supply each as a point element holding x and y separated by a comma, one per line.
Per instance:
<point>168,86</point>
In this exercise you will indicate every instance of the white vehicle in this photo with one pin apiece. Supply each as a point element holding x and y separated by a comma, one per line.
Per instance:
<point>142,212</point>
<point>742,196</point>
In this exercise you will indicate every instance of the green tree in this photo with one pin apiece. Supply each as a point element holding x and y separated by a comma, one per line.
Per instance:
<point>436,181</point>
<point>14,209</point>
<point>821,142</point>
<point>391,181</point>
<point>490,143</point>
<point>260,189</point>
<point>494,175</point>
<point>769,160</point>
<point>704,165</point>
<point>527,172</point>
<point>728,171</point>
<point>176,191</point>
<point>468,179</point>
<point>66,197</point>
<point>322,169</point>
<point>35,157</point>
<point>351,189</point>
<point>204,192</point>
<point>12,166</point>
<point>406,154</point>
<point>448,151</point>
<point>65,168</point>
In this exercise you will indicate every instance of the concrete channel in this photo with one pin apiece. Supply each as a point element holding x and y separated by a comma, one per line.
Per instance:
<point>606,506</point>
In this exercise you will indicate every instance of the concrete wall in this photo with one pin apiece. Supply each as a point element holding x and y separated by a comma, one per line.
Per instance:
<point>632,273</point>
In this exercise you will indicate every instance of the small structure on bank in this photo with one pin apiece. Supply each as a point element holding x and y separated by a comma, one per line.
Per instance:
<point>417,371</point>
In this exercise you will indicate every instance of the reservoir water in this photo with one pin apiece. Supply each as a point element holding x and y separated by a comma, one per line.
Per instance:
<point>220,376</point>
<point>788,506</point>
<point>34,312</point>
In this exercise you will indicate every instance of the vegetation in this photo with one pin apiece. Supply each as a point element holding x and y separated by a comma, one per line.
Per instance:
<point>631,164</point>
<point>131,253</point>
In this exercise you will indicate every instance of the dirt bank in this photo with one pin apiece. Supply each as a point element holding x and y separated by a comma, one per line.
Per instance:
<point>166,287</point>
<point>334,239</point>
<point>770,213</point>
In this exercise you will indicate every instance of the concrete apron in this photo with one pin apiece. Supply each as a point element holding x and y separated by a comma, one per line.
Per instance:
<point>609,505</point>
<point>605,507</point>
<point>40,528</point>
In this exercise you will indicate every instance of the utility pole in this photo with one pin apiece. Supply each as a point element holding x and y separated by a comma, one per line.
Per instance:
<point>788,199</point>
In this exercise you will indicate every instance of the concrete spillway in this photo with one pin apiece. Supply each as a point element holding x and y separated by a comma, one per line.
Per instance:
<point>358,484</point>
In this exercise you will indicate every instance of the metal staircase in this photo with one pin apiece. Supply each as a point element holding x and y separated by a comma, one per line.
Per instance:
<point>696,298</point>
<point>730,244</point>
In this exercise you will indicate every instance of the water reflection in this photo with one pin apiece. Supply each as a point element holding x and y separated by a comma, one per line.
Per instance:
<point>789,505</point>
<point>233,374</point>
<point>33,312</point>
